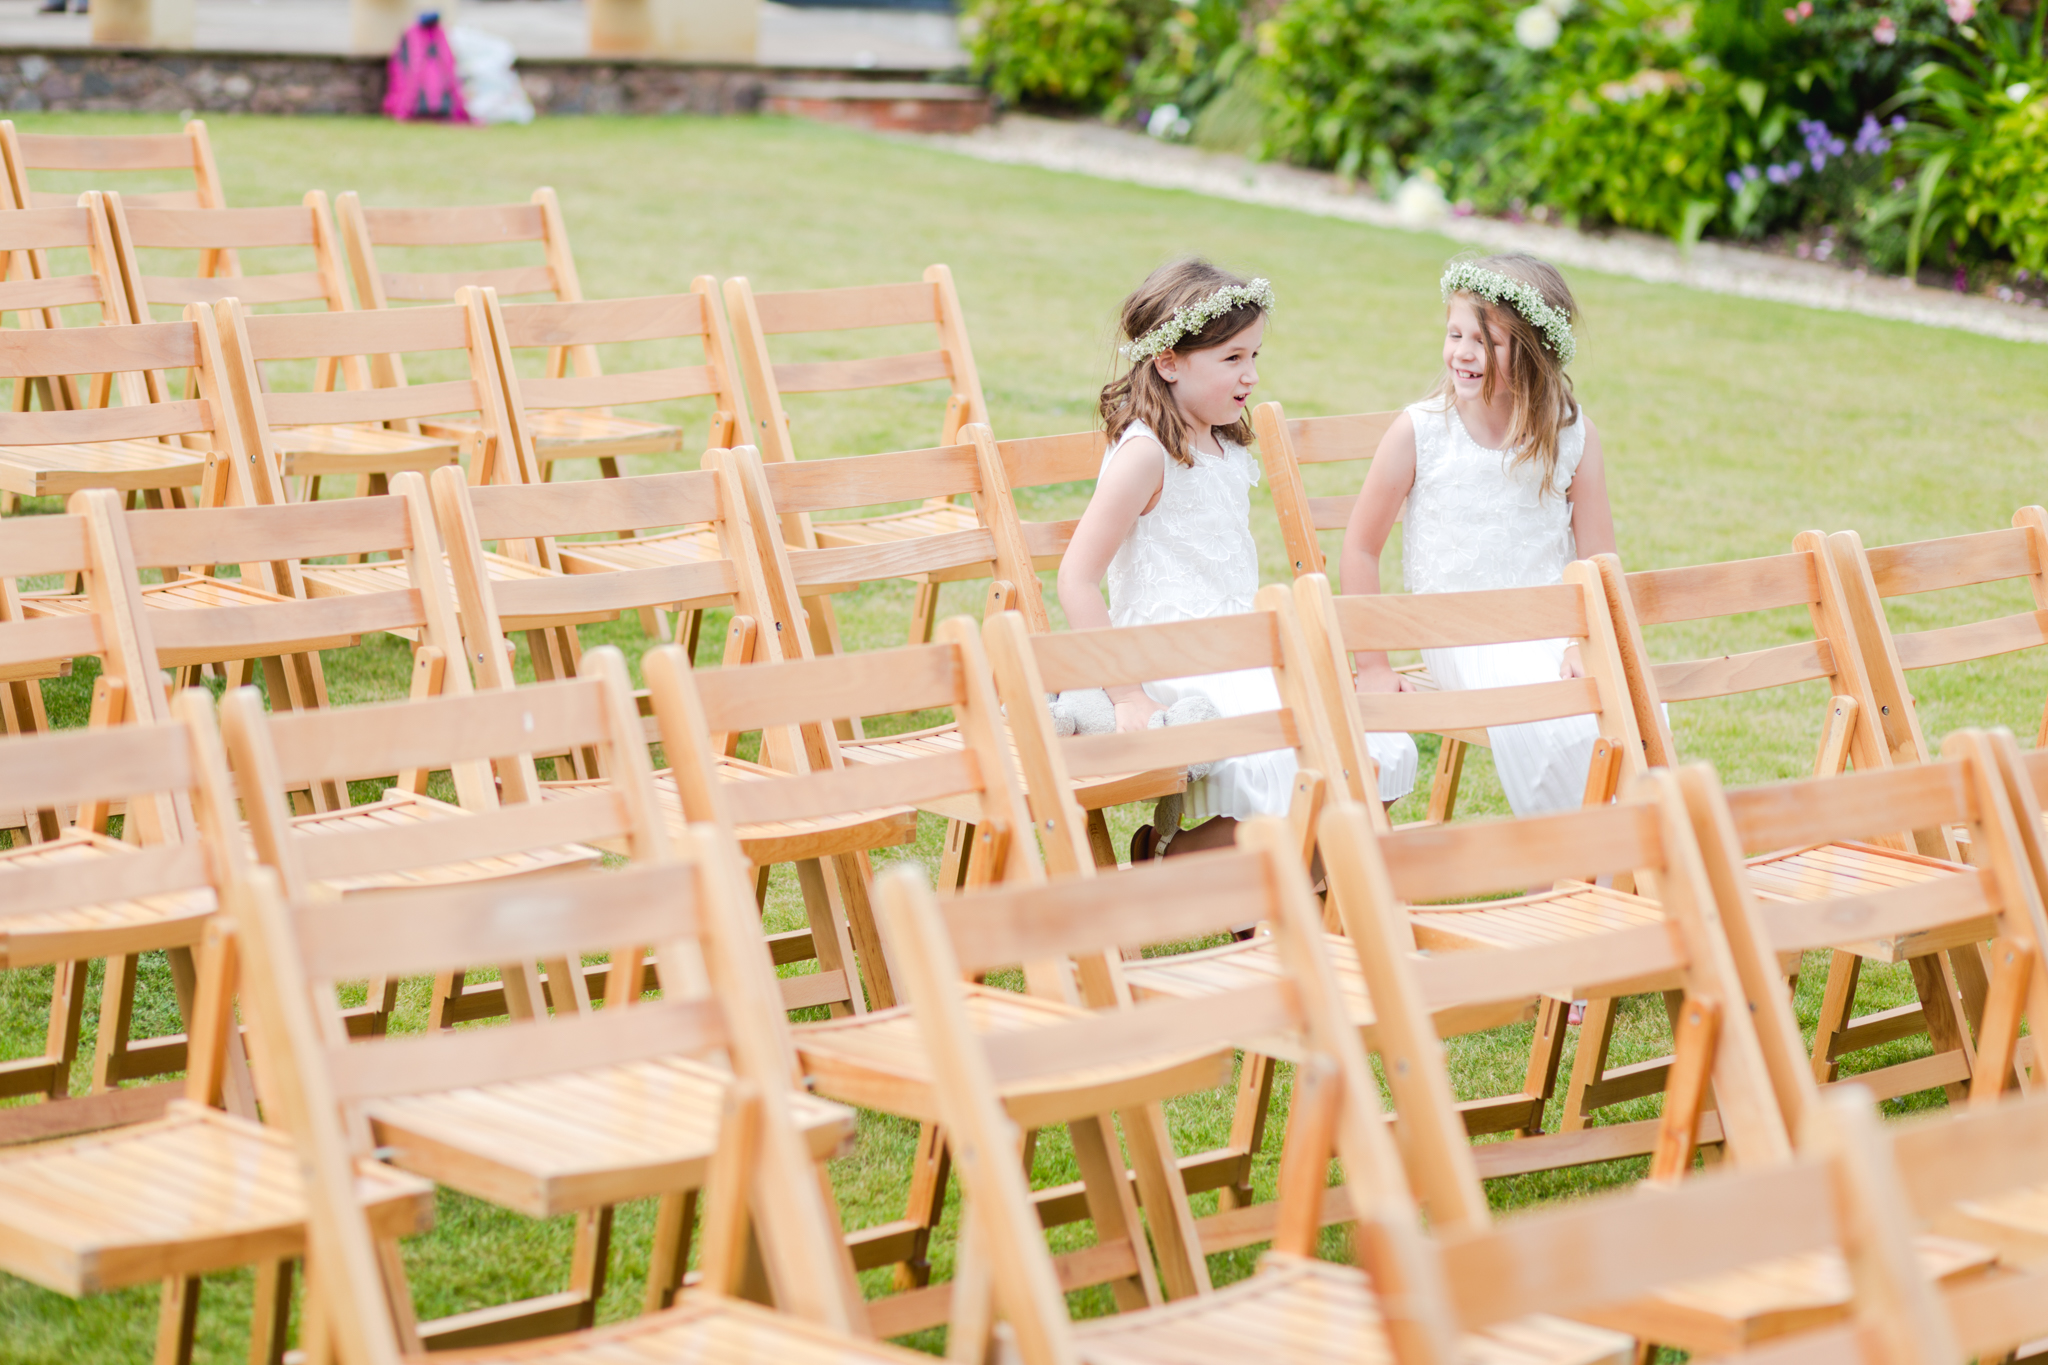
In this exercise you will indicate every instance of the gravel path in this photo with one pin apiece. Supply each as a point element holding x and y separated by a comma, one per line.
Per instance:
<point>1114,154</point>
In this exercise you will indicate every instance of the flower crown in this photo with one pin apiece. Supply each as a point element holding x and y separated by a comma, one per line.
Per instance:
<point>1463,277</point>
<point>1187,321</point>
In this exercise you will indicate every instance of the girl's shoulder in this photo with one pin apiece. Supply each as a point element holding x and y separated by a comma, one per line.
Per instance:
<point>1135,432</point>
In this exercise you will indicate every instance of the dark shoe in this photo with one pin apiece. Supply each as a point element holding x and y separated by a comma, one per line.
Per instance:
<point>1141,845</point>
<point>51,7</point>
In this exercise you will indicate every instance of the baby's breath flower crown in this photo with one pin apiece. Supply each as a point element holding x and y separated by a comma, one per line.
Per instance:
<point>1187,321</point>
<point>1463,277</point>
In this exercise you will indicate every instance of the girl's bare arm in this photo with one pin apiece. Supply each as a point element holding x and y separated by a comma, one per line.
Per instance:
<point>1126,491</point>
<point>1365,536</point>
<point>1592,524</point>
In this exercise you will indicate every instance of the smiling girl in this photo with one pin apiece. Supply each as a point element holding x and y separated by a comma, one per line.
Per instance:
<point>1504,482</point>
<point>1170,523</point>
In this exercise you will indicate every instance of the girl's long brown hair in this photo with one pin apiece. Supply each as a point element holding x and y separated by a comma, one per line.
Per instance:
<point>1537,382</point>
<point>1141,394</point>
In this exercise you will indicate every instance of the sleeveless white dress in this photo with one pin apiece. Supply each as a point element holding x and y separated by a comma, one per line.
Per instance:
<point>1192,556</point>
<point>1475,521</point>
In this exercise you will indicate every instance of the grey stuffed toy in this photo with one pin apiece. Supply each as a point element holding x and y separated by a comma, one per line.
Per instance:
<point>1089,711</point>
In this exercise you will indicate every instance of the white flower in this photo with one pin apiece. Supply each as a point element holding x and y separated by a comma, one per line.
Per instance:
<point>1167,124</point>
<point>1537,28</point>
<point>1561,8</point>
<point>1420,201</point>
<point>2018,92</point>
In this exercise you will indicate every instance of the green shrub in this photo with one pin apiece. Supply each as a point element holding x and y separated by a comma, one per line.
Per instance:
<point>1977,149</point>
<point>1074,52</point>
<point>1347,78</point>
<point>1193,55</point>
<point>1634,125</point>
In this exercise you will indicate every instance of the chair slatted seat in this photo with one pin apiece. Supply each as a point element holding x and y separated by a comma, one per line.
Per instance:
<point>370,451</point>
<point>593,1130</point>
<point>932,302</point>
<point>165,1186</point>
<point>874,1059</point>
<point>539,518</point>
<point>583,427</point>
<point>1467,1290</point>
<point>493,1110</point>
<point>80,453</point>
<point>1950,984</point>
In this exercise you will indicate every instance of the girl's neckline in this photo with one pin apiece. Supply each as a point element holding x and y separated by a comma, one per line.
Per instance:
<point>1490,450</point>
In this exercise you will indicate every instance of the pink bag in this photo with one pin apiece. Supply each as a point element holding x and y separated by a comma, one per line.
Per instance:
<point>422,81</point>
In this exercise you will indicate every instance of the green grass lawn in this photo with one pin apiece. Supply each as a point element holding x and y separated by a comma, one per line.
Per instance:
<point>1730,426</point>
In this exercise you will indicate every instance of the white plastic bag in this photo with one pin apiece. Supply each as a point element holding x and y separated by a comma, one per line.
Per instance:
<point>490,87</point>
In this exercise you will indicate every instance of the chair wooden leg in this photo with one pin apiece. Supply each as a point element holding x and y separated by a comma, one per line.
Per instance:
<point>177,1318</point>
<point>1112,1209</point>
<point>924,615</point>
<point>929,1172</point>
<point>689,631</point>
<point>1248,1126</point>
<point>2013,963</point>
<point>954,860</point>
<point>271,1314</point>
<point>1546,1054</point>
<point>117,1012</point>
<point>1099,846</point>
<point>1971,966</point>
<point>1443,788</point>
<point>1596,1035</point>
<point>1941,1006</point>
<point>830,939</point>
<point>447,990</point>
<point>1836,1003</point>
<point>590,1262</point>
<point>67,1016</point>
<point>1183,1271</point>
<point>853,876</point>
<point>675,1220</point>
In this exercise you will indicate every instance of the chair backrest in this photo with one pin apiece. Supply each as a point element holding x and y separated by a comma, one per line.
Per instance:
<point>161,885</point>
<point>1377,883</point>
<point>466,327</point>
<point>930,302</point>
<point>73,545</point>
<point>528,519</point>
<point>187,151</point>
<point>1046,461</point>
<point>267,542</point>
<point>1804,578</point>
<point>701,712</point>
<point>35,295</point>
<point>1575,609</point>
<point>781,496</point>
<point>1286,446</point>
<point>578,328</point>
<point>1030,666</point>
<point>1763,918</point>
<point>689,903</point>
<point>212,231</point>
<point>211,415</point>
<point>1429,1290</point>
<point>1872,577</point>
<point>275,753</point>
<point>2019,960</point>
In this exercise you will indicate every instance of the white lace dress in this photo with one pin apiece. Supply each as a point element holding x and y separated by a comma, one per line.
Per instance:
<point>1474,522</point>
<point>1192,556</point>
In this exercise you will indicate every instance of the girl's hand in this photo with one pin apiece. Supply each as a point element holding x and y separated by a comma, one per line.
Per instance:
<point>1574,666</point>
<point>1136,712</point>
<point>1383,679</point>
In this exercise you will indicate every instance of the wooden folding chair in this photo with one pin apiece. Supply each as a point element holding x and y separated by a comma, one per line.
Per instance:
<point>1950,985</point>
<point>871,1059</point>
<point>175,1189</point>
<point>369,451</point>
<point>1466,1293</point>
<point>2019,957</point>
<point>579,429</point>
<point>587,1127</point>
<point>800,579</point>
<point>931,302</point>
<point>90,454</point>
<point>708,499</point>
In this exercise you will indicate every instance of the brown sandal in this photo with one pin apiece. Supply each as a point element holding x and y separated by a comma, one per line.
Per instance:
<point>1141,845</point>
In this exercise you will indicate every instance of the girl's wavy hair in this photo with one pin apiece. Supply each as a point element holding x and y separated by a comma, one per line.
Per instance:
<point>1141,394</point>
<point>1536,378</point>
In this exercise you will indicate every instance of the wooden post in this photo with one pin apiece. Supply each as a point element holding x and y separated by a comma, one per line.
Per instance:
<point>143,23</point>
<point>707,30</point>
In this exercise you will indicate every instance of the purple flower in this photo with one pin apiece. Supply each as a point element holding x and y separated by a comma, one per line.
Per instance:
<point>1735,180</point>
<point>1898,183</point>
<point>1750,173</point>
<point>1820,161</point>
<point>1898,122</point>
<point>1776,175</point>
<point>1870,139</point>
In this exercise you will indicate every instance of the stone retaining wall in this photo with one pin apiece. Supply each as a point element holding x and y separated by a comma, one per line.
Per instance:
<point>255,83</point>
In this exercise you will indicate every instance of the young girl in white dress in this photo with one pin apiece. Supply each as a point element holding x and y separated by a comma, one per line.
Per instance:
<point>1170,523</point>
<point>1503,478</point>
